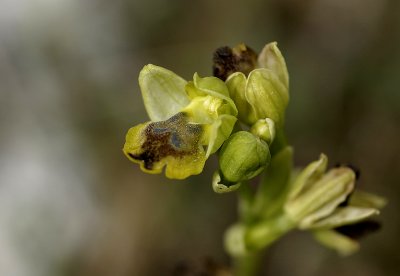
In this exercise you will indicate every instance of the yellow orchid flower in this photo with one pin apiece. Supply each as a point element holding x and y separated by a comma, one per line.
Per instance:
<point>189,122</point>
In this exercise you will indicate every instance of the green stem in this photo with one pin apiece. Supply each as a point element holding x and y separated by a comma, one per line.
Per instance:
<point>260,212</point>
<point>279,143</point>
<point>246,199</point>
<point>249,265</point>
<point>258,238</point>
<point>266,232</point>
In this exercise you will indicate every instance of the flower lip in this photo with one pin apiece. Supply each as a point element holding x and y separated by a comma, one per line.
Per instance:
<point>173,137</point>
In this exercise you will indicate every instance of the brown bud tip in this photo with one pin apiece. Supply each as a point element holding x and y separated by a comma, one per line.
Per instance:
<point>227,61</point>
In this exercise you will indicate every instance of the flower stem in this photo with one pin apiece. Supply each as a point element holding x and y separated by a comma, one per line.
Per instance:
<point>259,238</point>
<point>249,265</point>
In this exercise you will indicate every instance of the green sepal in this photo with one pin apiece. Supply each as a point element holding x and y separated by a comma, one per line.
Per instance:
<point>367,200</point>
<point>267,95</point>
<point>322,197</point>
<point>308,176</point>
<point>271,58</point>
<point>218,132</point>
<point>163,92</point>
<point>342,244</point>
<point>261,95</point>
<point>343,216</point>
<point>236,84</point>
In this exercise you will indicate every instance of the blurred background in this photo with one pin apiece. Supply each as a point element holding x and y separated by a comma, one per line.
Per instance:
<point>72,204</point>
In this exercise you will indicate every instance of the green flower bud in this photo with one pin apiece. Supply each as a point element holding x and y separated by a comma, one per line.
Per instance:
<point>315,202</point>
<point>265,129</point>
<point>267,95</point>
<point>261,95</point>
<point>320,198</point>
<point>243,156</point>
<point>265,92</point>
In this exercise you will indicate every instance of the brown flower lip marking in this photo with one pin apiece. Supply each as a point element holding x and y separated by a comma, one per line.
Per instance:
<point>173,137</point>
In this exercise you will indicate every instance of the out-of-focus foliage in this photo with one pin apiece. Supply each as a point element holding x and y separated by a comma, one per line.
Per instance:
<point>70,202</point>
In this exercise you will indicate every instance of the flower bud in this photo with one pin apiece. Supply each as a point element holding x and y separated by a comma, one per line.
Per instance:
<point>261,95</point>
<point>320,198</point>
<point>267,95</point>
<point>264,92</point>
<point>227,61</point>
<point>243,156</point>
<point>265,129</point>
